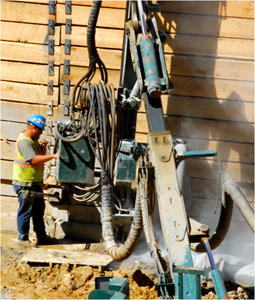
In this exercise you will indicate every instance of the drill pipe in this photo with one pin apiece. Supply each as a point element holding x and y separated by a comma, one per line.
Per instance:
<point>222,228</point>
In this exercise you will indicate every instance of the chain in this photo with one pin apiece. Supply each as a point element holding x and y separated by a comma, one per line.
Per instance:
<point>220,181</point>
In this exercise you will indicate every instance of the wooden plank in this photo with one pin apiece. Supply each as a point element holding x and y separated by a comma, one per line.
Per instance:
<point>28,73</point>
<point>104,37</point>
<point>7,150</point>
<point>71,257</point>
<point>209,46</point>
<point>210,67</point>
<point>209,169</point>
<point>6,169</point>
<point>227,151</point>
<point>29,93</point>
<point>28,33</point>
<point>213,88</point>
<point>203,129</point>
<point>207,189</point>
<point>32,53</point>
<point>110,18</point>
<point>240,9</point>
<point>181,23</point>
<point>9,205</point>
<point>105,3</point>
<point>219,109</point>
<point>25,12</point>
<point>206,208</point>
<point>20,112</point>
<point>7,190</point>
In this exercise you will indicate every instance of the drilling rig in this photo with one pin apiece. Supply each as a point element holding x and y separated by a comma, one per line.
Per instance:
<point>119,180</point>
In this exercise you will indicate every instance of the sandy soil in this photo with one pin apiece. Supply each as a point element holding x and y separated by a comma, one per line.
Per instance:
<point>21,280</point>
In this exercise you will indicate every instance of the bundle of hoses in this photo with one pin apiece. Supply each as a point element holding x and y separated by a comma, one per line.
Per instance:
<point>122,252</point>
<point>94,59</point>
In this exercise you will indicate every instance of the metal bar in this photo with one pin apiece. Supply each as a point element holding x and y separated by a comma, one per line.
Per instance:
<point>141,14</point>
<point>172,212</point>
<point>193,154</point>
<point>209,252</point>
<point>219,285</point>
<point>198,285</point>
<point>154,113</point>
<point>216,275</point>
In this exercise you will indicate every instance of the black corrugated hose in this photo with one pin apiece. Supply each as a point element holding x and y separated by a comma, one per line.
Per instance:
<point>93,54</point>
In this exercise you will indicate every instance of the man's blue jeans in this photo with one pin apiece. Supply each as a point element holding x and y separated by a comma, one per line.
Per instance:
<point>30,206</point>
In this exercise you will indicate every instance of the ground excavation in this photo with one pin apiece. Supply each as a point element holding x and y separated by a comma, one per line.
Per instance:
<point>47,280</point>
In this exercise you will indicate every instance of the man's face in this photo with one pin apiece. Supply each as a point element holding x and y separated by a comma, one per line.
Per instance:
<point>36,133</point>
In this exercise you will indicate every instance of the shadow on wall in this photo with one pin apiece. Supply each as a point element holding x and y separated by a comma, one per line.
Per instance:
<point>195,41</point>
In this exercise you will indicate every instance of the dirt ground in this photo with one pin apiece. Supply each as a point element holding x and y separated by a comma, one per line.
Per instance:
<point>30,280</point>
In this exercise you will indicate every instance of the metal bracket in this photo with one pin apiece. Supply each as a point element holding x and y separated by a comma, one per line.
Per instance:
<point>52,7</point>
<point>50,68</point>
<point>68,26</point>
<point>162,142</point>
<point>66,87</point>
<point>51,47</point>
<point>49,129</point>
<point>50,87</point>
<point>67,66</point>
<point>67,46</point>
<point>66,108</point>
<point>49,108</point>
<point>51,27</point>
<point>68,7</point>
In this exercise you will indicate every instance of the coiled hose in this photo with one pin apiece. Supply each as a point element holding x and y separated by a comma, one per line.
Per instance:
<point>119,253</point>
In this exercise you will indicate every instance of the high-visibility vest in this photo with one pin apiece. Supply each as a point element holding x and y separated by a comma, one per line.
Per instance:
<point>25,171</point>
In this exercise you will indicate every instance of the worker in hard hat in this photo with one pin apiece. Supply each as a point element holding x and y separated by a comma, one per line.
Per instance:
<point>29,158</point>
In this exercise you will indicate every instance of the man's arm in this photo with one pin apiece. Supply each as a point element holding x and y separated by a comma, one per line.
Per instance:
<point>41,159</point>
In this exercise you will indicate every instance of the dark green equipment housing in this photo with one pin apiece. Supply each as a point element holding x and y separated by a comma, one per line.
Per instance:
<point>76,162</point>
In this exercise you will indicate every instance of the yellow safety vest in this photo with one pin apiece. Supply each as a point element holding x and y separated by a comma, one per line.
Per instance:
<point>25,171</point>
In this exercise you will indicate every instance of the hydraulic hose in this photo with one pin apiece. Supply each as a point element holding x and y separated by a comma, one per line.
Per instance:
<point>70,139</point>
<point>222,227</point>
<point>93,54</point>
<point>232,189</point>
<point>91,31</point>
<point>122,252</point>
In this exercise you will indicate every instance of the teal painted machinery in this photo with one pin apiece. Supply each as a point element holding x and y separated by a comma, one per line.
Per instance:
<point>110,288</point>
<point>106,171</point>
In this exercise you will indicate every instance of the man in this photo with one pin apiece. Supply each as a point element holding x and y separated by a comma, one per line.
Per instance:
<point>29,159</point>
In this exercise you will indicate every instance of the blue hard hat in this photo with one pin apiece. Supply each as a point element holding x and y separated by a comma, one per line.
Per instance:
<point>38,120</point>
